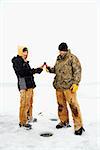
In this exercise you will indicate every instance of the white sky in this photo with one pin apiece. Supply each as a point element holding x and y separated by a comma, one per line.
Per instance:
<point>42,26</point>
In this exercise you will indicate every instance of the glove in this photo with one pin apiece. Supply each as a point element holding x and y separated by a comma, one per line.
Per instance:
<point>74,88</point>
<point>39,70</point>
<point>48,69</point>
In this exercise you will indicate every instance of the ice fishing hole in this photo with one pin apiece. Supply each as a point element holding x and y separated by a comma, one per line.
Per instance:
<point>46,134</point>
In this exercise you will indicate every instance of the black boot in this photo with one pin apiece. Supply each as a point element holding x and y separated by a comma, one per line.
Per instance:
<point>62,125</point>
<point>27,126</point>
<point>80,131</point>
<point>68,125</point>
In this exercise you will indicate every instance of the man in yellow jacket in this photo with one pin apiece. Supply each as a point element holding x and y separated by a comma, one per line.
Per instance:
<point>68,75</point>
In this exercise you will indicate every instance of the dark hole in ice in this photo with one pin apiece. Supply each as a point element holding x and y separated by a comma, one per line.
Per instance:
<point>53,119</point>
<point>46,134</point>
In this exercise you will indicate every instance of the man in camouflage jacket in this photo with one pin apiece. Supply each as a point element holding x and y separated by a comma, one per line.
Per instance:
<point>67,72</point>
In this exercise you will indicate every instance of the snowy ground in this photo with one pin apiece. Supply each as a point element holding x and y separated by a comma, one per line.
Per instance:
<point>14,138</point>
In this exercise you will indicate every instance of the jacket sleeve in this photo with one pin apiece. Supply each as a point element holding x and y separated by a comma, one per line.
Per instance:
<point>22,69</point>
<point>76,70</point>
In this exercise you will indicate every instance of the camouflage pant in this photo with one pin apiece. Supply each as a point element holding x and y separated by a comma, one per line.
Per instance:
<point>62,98</point>
<point>26,101</point>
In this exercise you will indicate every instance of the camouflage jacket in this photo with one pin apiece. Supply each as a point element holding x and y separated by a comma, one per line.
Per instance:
<point>67,70</point>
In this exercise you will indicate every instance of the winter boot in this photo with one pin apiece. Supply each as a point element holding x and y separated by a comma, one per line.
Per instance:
<point>63,125</point>
<point>80,131</point>
<point>27,126</point>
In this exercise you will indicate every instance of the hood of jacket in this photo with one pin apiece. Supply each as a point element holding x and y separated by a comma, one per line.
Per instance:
<point>20,51</point>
